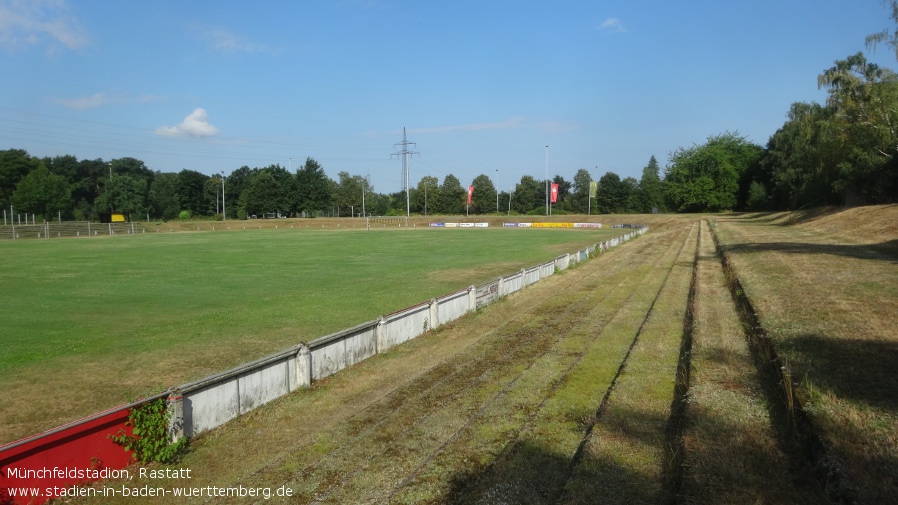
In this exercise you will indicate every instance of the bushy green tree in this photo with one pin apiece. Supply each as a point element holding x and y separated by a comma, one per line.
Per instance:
<point>163,196</point>
<point>191,191</point>
<point>42,193</point>
<point>125,194</point>
<point>651,188</point>
<point>579,199</point>
<point>15,164</point>
<point>612,194</point>
<point>705,178</point>
<point>452,196</point>
<point>426,193</point>
<point>483,200</point>
<point>313,194</point>
<point>529,195</point>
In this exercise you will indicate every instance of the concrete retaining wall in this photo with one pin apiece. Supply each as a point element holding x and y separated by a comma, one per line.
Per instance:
<point>210,402</point>
<point>334,352</point>
<point>452,307</point>
<point>214,400</point>
<point>510,284</point>
<point>402,326</point>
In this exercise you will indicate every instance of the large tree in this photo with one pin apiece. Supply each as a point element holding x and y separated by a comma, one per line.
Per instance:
<point>579,200</point>
<point>163,196</point>
<point>191,191</point>
<point>612,194</point>
<point>705,178</point>
<point>313,193</point>
<point>347,194</point>
<point>529,195</point>
<point>125,194</point>
<point>42,193</point>
<point>651,188</point>
<point>426,193</point>
<point>451,197</point>
<point>484,198</point>
<point>864,100</point>
<point>15,164</point>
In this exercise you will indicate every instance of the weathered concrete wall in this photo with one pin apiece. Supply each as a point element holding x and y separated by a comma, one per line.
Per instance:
<point>532,275</point>
<point>511,284</point>
<point>488,293</point>
<point>214,400</point>
<point>401,326</point>
<point>562,262</point>
<point>451,307</point>
<point>336,351</point>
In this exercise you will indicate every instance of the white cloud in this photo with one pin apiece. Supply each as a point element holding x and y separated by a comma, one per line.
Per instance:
<point>196,125</point>
<point>612,25</point>
<point>29,22</point>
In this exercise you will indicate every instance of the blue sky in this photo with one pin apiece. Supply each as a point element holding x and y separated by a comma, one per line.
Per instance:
<point>481,86</point>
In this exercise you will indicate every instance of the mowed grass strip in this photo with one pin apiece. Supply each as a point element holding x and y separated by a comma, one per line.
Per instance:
<point>462,466</point>
<point>732,453</point>
<point>830,305</point>
<point>90,323</point>
<point>535,464</point>
<point>624,457</point>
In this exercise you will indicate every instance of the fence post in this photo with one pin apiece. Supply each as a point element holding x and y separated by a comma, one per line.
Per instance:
<point>303,366</point>
<point>434,316</point>
<point>175,408</point>
<point>472,298</point>
<point>380,335</point>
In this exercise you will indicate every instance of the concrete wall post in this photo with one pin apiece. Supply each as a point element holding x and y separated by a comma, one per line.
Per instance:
<point>472,298</point>
<point>174,405</point>
<point>380,335</point>
<point>433,318</point>
<point>303,366</point>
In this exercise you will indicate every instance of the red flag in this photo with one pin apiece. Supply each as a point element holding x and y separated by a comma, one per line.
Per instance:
<point>554,193</point>
<point>470,192</point>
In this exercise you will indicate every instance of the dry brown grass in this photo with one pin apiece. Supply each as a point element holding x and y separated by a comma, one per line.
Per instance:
<point>829,302</point>
<point>733,453</point>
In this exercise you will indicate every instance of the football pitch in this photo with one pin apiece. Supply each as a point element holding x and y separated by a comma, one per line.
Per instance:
<point>90,323</point>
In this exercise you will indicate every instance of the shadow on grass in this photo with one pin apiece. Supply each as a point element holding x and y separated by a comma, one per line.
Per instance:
<point>530,474</point>
<point>862,375</point>
<point>527,472</point>
<point>856,370</point>
<point>627,466</point>
<point>884,251</point>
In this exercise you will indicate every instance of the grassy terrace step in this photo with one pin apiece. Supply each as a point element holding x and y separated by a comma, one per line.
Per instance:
<point>623,457</point>
<point>828,306</point>
<point>732,452</point>
<point>536,429</point>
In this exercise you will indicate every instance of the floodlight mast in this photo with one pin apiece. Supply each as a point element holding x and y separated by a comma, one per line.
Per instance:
<point>405,153</point>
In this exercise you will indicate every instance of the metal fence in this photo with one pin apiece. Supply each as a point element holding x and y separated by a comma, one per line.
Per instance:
<point>58,229</point>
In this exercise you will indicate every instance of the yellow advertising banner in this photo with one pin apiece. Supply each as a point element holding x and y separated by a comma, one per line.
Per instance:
<point>592,189</point>
<point>553,225</point>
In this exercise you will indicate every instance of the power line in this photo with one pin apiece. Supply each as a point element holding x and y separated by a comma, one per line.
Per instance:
<point>405,153</point>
